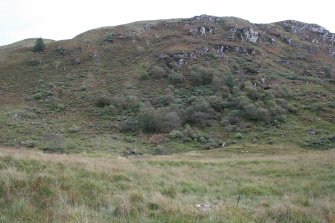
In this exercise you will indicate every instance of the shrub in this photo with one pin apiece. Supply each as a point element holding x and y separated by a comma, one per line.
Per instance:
<point>167,98</point>
<point>238,135</point>
<point>144,75</point>
<point>216,102</point>
<point>172,121</point>
<point>230,82</point>
<point>201,104</point>
<point>108,110</point>
<point>201,118</point>
<point>103,101</point>
<point>157,72</point>
<point>234,117</point>
<point>58,107</point>
<point>175,77</point>
<point>129,125</point>
<point>150,120</point>
<point>38,96</point>
<point>322,142</point>
<point>252,92</point>
<point>176,134</point>
<point>216,83</point>
<point>201,75</point>
<point>125,102</point>
<point>276,111</point>
<point>200,112</point>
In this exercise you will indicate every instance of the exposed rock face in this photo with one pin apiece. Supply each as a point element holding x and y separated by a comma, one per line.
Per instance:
<point>299,27</point>
<point>206,18</point>
<point>249,35</point>
<point>311,32</point>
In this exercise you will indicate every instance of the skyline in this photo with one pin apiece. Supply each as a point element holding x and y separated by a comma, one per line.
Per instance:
<point>59,20</point>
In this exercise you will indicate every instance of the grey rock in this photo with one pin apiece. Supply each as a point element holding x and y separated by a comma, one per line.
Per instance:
<point>202,31</point>
<point>147,27</point>
<point>332,53</point>
<point>181,62</point>
<point>206,18</point>
<point>289,41</point>
<point>193,55</point>
<point>203,51</point>
<point>310,132</point>
<point>249,35</point>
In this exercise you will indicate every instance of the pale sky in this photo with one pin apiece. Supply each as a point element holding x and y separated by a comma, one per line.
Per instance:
<point>64,19</point>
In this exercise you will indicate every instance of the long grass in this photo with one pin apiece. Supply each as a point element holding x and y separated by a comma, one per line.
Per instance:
<point>249,184</point>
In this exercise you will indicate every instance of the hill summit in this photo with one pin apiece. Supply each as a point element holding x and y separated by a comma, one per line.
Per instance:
<point>172,85</point>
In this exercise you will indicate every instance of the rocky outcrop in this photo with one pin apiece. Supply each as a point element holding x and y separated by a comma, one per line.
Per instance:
<point>249,35</point>
<point>206,18</point>
<point>300,27</point>
<point>311,32</point>
<point>201,31</point>
<point>245,34</point>
<point>224,48</point>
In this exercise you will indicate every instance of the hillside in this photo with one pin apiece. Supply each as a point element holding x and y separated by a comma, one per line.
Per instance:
<point>170,86</point>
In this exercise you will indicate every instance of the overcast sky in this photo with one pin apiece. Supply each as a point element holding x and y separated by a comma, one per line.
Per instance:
<point>64,19</point>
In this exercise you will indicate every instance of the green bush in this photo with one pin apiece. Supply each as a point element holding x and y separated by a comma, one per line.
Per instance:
<point>58,107</point>
<point>144,75</point>
<point>252,92</point>
<point>200,113</point>
<point>175,77</point>
<point>172,121</point>
<point>176,134</point>
<point>103,101</point>
<point>167,98</point>
<point>157,72</point>
<point>238,135</point>
<point>201,118</point>
<point>107,110</point>
<point>217,83</point>
<point>216,102</point>
<point>38,96</point>
<point>321,142</point>
<point>122,102</point>
<point>129,125</point>
<point>150,120</point>
<point>230,82</point>
<point>202,75</point>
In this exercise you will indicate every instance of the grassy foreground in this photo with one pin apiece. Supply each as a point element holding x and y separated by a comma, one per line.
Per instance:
<point>249,184</point>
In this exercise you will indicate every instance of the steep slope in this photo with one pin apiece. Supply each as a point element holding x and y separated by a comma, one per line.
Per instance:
<point>199,83</point>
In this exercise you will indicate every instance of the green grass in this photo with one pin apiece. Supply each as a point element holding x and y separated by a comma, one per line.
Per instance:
<point>283,184</point>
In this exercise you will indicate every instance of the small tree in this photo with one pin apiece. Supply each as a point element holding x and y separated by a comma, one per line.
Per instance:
<point>39,45</point>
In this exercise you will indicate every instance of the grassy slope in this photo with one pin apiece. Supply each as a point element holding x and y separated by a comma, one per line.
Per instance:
<point>249,184</point>
<point>47,94</point>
